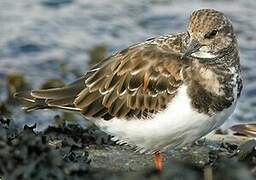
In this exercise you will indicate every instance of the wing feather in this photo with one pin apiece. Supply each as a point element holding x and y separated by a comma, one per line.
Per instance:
<point>135,82</point>
<point>138,81</point>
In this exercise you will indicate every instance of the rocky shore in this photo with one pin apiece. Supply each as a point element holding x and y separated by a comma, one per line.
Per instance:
<point>72,152</point>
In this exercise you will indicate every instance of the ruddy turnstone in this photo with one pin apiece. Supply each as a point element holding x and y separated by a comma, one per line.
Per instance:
<point>165,92</point>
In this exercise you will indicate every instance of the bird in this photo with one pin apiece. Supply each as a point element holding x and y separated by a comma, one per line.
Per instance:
<point>165,92</point>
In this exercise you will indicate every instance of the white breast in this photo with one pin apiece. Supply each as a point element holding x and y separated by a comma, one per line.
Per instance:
<point>178,125</point>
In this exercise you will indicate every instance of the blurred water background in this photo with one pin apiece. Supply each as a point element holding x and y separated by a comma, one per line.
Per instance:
<point>39,36</point>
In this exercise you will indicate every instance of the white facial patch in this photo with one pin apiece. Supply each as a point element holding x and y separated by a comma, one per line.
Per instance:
<point>203,52</point>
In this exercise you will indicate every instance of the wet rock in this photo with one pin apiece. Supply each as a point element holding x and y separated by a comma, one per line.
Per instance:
<point>5,122</point>
<point>231,170</point>
<point>177,164</point>
<point>71,152</point>
<point>28,156</point>
<point>247,151</point>
<point>71,134</point>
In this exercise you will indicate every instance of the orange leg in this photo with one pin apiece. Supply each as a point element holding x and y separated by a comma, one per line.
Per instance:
<point>158,161</point>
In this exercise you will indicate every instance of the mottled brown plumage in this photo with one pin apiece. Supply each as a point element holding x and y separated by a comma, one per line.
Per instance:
<point>132,83</point>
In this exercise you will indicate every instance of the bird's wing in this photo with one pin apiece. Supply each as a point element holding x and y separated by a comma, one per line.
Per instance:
<point>136,82</point>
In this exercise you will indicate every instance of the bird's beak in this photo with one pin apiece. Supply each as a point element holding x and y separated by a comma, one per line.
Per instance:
<point>192,47</point>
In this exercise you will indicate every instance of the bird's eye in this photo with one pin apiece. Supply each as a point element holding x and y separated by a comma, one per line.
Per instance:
<point>211,34</point>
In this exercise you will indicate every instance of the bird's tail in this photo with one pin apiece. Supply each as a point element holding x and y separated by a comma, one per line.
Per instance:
<point>61,98</point>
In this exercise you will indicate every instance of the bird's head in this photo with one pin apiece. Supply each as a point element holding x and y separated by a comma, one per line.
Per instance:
<point>210,34</point>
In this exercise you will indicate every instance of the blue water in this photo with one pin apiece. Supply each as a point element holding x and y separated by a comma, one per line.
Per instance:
<point>36,36</point>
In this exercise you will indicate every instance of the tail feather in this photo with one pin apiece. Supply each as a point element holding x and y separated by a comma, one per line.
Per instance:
<point>36,107</point>
<point>25,95</point>
<point>55,93</point>
<point>61,98</point>
<point>62,101</point>
<point>64,92</point>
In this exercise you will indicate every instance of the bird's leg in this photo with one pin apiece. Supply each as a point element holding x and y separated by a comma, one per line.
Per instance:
<point>158,161</point>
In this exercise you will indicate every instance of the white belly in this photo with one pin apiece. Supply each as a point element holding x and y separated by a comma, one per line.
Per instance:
<point>179,124</point>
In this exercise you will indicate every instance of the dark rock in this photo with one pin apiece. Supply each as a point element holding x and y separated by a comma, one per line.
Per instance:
<point>28,156</point>
<point>72,134</point>
<point>231,170</point>
<point>247,150</point>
